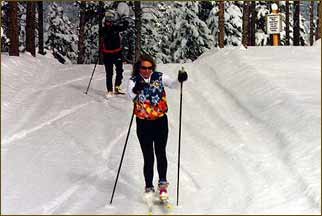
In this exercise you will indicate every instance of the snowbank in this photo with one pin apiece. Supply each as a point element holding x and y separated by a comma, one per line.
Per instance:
<point>263,83</point>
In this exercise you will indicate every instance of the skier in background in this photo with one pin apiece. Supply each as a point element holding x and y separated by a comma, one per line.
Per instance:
<point>110,46</point>
<point>146,88</point>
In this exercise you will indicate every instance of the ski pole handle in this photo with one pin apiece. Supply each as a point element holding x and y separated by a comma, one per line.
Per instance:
<point>182,75</point>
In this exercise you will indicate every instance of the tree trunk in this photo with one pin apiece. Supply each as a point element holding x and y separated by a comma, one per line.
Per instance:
<point>100,24</point>
<point>40,29</point>
<point>13,29</point>
<point>245,24</point>
<point>296,24</point>
<point>221,34</point>
<point>318,23</point>
<point>287,20</point>
<point>252,25</point>
<point>81,34</point>
<point>138,23</point>
<point>30,28</point>
<point>311,22</point>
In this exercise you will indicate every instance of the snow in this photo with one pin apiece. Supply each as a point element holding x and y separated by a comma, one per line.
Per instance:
<point>251,136</point>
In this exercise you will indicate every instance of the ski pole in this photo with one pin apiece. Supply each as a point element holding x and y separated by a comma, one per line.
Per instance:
<point>100,13</point>
<point>91,76</point>
<point>118,172</point>
<point>179,145</point>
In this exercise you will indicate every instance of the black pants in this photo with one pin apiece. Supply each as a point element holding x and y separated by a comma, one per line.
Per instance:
<point>109,61</point>
<point>155,132</point>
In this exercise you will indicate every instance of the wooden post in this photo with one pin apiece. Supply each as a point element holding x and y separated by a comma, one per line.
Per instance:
<point>275,36</point>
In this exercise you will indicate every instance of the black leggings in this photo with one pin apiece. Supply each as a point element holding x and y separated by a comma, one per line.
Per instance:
<point>149,132</point>
<point>109,61</point>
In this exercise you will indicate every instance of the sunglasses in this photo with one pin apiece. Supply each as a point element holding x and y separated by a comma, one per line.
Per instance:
<point>146,68</point>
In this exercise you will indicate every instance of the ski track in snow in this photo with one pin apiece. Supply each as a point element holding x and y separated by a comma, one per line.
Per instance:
<point>60,85</point>
<point>24,133</point>
<point>51,207</point>
<point>38,93</point>
<point>63,204</point>
<point>60,202</point>
<point>273,135</point>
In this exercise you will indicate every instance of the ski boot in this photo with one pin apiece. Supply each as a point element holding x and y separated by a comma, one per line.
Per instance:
<point>108,94</point>
<point>149,190</point>
<point>118,90</point>
<point>163,191</point>
<point>148,197</point>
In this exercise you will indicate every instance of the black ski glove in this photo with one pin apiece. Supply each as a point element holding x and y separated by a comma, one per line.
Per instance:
<point>139,86</point>
<point>182,76</point>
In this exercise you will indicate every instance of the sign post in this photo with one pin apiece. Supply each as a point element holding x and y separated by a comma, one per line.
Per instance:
<point>274,24</point>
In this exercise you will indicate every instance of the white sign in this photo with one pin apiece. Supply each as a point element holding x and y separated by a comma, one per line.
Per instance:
<point>273,24</point>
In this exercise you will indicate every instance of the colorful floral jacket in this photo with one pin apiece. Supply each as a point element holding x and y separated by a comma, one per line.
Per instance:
<point>151,102</point>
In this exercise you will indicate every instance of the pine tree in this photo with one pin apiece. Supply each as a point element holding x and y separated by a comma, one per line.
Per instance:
<point>129,37</point>
<point>304,32</point>
<point>61,35</point>
<point>151,28</point>
<point>213,23</point>
<point>93,12</point>
<point>262,38</point>
<point>128,42</point>
<point>166,29</point>
<point>288,27</point>
<point>233,24</point>
<point>204,10</point>
<point>189,36</point>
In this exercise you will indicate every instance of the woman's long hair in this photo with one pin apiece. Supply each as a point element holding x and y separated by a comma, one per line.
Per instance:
<point>137,65</point>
